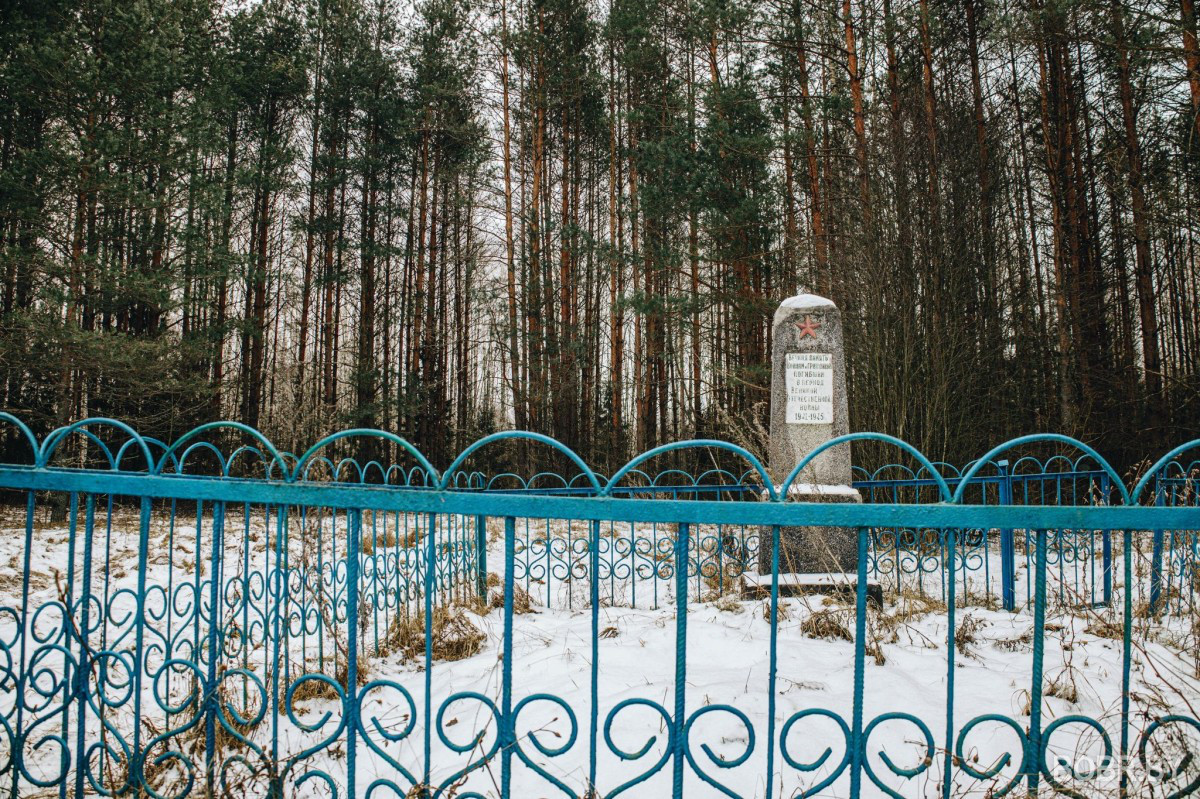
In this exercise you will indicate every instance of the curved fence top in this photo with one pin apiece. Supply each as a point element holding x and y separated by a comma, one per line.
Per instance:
<point>121,448</point>
<point>926,464</point>
<point>1054,438</point>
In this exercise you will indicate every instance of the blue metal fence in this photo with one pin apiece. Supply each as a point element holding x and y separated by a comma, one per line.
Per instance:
<point>990,562</point>
<point>183,631</point>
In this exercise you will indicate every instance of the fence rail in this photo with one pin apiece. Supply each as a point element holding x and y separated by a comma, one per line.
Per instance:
<point>311,632</point>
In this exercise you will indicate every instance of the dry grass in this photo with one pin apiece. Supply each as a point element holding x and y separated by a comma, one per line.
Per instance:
<point>1106,628</point>
<point>783,611</point>
<point>412,537</point>
<point>318,689</point>
<point>231,737</point>
<point>372,540</point>
<point>10,584</point>
<point>1020,643</point>
<point>966,634</point>
<point>454,634</point>
<point>909,608</point>
<point>980,599</point>
<point>728,604</point>
<point>826,624</point>
<point>1064,685</point>
<point>911,605</point>
<point>522,601</point>
<point>661,554</point>
<point>722,580</point>
<point>313,689</point>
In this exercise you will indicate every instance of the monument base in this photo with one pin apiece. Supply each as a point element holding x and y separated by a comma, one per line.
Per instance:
<point>844,586</point>
<point>813,550</point>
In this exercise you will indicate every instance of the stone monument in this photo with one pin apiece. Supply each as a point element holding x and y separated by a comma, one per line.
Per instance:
<point>809,407</point>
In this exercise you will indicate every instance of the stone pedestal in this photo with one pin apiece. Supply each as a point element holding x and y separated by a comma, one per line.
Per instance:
<point>809,406</point>
<point>843,586</point>
<point>814,550</point>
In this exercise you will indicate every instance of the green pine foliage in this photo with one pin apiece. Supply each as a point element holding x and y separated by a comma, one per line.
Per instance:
<point>447,217</point>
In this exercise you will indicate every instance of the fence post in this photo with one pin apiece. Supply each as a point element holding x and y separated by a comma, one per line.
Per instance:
<point>353,542</point>
<point>1126,655</point>
<point>681,600</point>
<point>594,589</point>
<point>481,558</point>
<point>19,668</point>
<point>506,732</point>
<point>773,655</point>
<point>278,579</point>
<point>1008,549</point>
<point>137,760</point>
<point>211,702</point>
<point>83,669</point>
<point>429,581</point>
<point>951,642</point>
<point>857,744</point>
<point>1033,755</point>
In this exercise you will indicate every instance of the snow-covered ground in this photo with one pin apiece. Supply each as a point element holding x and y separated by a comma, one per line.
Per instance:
<point>726,677</point>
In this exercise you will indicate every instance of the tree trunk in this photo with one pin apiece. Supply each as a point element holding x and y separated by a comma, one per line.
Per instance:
<point>1143,268</point>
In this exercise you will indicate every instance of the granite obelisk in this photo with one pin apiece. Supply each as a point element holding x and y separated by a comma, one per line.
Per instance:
<point>809,406</point>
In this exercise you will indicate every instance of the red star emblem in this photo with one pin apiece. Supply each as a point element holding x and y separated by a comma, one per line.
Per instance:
<point>808,327</point>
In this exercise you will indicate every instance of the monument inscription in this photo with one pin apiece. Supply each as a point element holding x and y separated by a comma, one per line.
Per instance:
<point>809,388</point>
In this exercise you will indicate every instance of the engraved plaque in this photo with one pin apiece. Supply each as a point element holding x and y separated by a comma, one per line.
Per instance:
<point>809,388</point>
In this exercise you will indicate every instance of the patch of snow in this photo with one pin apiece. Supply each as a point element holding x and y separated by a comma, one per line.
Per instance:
<point>802,302</point>
<point>796,489</point>
<point>802,578</point>
<point>807,301</point>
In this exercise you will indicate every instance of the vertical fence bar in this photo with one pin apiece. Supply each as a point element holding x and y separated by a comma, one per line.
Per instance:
<point>594,589</point>
<point>85,662</point>
<point>1008,549</point>
<point>69,675</point>
<point>23,636</point>
<point>481,558</point>
<point>214,621</point>
<point>1106,570</point>
<point>506,731</point>
<point>137,777</point>
<point>773,656</point>
<point>947,758</point>
<point>244,641</point>
<point>858,745</point>
<point>1126,658</point>
<point>429,588</point>
<point>198,583</point>
<point>681,598</point>
<point>170,617</point>
<point>278,578</point>
<point>375,559</point>
<point>353,540</point>
<point>1034,757</point>
<point>320,589</point>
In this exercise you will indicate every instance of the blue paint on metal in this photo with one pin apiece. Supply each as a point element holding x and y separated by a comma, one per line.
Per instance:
<point>113,682</point>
